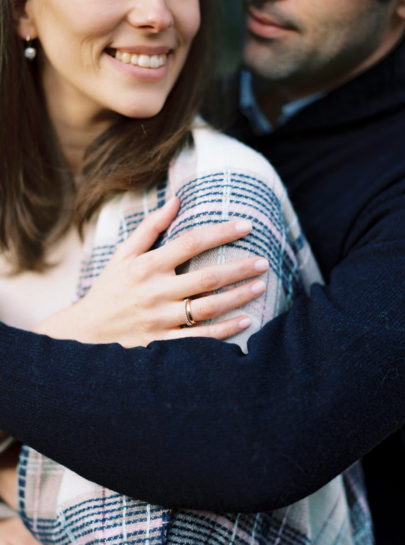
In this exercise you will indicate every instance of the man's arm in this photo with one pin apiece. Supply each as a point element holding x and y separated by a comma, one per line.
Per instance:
<point>195,423</point>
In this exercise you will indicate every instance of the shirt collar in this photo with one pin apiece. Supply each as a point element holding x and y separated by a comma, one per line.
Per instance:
<point>251,109</point>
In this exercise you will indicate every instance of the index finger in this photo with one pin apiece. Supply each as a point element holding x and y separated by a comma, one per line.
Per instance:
<point>197,241</point>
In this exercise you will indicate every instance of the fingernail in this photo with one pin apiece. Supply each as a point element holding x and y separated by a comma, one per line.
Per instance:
<point>243,226</point>
<point>258,287</point>
<point>245,323</point>
<point>261,265</point>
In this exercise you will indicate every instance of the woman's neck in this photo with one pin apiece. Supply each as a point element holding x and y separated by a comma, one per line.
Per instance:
<point>75,139</point>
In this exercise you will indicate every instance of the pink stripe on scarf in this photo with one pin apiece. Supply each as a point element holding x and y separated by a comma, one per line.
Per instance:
<point>117,530</point>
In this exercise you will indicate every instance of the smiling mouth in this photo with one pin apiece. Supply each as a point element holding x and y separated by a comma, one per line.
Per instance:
<point>138,59</point>
<point>266,19</point>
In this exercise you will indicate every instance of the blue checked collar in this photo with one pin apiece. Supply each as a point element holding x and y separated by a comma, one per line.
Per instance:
<point>250,107</point>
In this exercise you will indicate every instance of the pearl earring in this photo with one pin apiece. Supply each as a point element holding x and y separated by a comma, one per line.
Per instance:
<point>30,51</point>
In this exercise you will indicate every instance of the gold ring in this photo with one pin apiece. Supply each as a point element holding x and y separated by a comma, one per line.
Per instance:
<point>187,313</point>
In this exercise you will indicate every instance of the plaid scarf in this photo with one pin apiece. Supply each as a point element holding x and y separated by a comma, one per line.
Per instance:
<point>217,179</point>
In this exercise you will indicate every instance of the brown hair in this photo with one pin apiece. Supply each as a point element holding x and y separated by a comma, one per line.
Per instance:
<point>38,200</point>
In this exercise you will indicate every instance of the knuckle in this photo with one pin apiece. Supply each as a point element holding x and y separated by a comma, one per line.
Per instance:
<point>226,333</point>
<point>242,271</point>
<point>148,323</point>
<point>154,223</point>
<point>121,251</point>
<point>144,265</point>
<point>191,242</point>
<point>206,310</point>
<point>138,272</point>
<point>209,280</point>
<point>226,330</point>
<point>247,267</point>
<point>214,331</point>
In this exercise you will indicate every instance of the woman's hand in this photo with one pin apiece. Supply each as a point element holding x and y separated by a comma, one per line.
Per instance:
<point>139,298</point>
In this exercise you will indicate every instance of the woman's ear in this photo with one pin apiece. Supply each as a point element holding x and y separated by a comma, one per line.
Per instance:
<point>24,20</point>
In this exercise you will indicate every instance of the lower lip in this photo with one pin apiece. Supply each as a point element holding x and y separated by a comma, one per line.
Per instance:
<point>265,30</point>
<point>139,73</point>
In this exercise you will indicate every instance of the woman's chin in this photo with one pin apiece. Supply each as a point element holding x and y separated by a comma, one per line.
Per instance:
<point>141,112</point>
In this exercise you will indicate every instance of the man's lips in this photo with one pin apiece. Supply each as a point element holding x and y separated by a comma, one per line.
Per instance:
<point>264,26</point>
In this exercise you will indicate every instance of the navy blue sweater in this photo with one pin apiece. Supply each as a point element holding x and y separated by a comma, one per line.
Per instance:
<point>196,423</point>
<point>343,160</point>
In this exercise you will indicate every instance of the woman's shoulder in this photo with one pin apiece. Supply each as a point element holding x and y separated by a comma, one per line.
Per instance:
<point>216,160</point>
<point>222,151</point>
<point>215,155</point>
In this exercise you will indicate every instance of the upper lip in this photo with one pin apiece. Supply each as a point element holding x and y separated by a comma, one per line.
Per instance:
<point>265,18</point>
<point>143,49</point>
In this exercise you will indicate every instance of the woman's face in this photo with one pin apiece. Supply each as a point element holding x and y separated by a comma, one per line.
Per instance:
<point>105,56</point>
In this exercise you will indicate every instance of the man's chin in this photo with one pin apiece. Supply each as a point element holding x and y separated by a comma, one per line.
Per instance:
<point>271,59</point>
<point>259,58</point>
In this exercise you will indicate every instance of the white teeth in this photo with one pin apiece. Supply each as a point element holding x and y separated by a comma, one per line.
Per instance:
<point>126,58</point>
<point>145,61</point>
<point>155,61</point>
<point>162,60</point>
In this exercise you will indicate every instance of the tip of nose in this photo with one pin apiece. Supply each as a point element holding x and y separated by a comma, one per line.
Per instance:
<point>154,18</point>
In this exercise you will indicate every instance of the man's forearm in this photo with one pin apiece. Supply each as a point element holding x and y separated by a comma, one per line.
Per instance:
<point>195,423</point>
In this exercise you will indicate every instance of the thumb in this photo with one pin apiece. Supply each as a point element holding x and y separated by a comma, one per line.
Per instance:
<point>146,234</point>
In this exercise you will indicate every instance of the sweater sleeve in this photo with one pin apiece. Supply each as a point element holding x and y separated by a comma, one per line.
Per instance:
<point>197,423</point>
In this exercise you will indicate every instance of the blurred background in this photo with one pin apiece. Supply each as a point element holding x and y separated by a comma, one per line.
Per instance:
<point>230,14</point>
<point>221,100</point>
